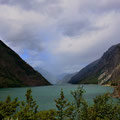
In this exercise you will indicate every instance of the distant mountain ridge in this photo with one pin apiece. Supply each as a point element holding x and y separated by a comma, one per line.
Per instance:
<point>14,72</point>
<point>50,77</point>
<point>105,70</point>
<point>66,78</point>
<point>61,76</point>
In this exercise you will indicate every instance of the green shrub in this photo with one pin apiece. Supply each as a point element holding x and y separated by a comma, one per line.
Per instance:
<point>8,107</point>
<point>46,115</point>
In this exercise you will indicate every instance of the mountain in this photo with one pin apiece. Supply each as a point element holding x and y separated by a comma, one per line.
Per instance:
<point>14,72</point>
<point>66,78</point>
<point>61,76</point>
<point>105,70</point>
<point>49,76</point>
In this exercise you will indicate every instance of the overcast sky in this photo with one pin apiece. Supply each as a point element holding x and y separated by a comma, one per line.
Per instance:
<point>60,35</point>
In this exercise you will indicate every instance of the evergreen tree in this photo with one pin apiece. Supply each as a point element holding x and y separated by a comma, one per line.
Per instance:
<point>62,106</point>
<point>28,109</point>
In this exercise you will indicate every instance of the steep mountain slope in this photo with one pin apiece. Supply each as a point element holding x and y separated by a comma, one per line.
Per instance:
<point>106,70</point>
<point>50,77</point>
<point>66,78</point>
<point>15,72</point>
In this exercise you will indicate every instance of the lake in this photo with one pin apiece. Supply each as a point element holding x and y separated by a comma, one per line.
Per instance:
<point>45,95</point>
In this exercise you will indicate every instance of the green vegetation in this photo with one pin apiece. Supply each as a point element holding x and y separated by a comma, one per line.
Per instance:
<point>89,80</point>
<point>101,109</point>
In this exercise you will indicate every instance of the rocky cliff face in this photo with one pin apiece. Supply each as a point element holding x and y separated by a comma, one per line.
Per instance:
<point>106,70</point>
<point>15,72</point>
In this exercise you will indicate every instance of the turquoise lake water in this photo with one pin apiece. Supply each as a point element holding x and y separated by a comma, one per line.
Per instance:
<point>45,95</point>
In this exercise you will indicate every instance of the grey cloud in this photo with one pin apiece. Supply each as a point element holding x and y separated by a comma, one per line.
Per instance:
<point>23,3</point>
<point>103,6</point>
<point>27,37</point>
<point>43,6</point>
<point>76,28</point>
<point>31,36</point>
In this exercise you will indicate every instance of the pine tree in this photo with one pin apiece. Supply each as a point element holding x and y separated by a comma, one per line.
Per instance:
<point>62,105</point>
